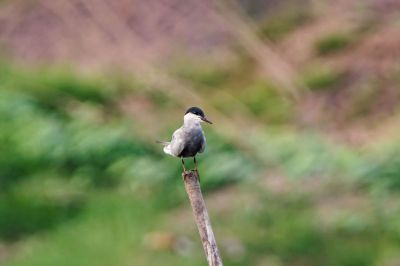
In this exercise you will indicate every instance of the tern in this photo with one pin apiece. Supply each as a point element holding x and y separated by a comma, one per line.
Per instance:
<point>189,139</point>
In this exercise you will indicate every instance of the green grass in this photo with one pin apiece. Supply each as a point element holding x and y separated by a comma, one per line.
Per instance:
<point>383,170</point>
<point>205,76</point>
<point>322,78</point>
<point>283,21</point>
<point>62,129</point>
<point>114,226</point>
<point>20,216</point>
<point>79,186</point>
<point>333,43</point>
<point>86,240</point>
<point>265,102</point>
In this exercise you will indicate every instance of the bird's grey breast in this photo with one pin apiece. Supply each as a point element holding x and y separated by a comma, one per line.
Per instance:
<point>194,139</point>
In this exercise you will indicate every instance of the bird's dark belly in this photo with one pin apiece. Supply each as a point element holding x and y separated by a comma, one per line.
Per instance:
<point>191,148</point>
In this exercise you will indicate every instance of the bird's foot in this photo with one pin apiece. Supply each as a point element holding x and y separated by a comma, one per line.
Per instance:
<point>191,174</point>
<point>198,175</point>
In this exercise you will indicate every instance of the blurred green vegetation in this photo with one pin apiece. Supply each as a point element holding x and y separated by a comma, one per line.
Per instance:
<point>79,184</point>
<point>67,131</point>
<point>289,16</point>
<point>265,102</point>
<point>384,170</point>
<point>322,78</point>
<point>287,229</point>
<point>204,75</point>
<point>82,181</point>
<point>333,43</point>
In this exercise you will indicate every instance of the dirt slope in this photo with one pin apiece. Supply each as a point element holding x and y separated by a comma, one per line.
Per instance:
<point>109,32</point>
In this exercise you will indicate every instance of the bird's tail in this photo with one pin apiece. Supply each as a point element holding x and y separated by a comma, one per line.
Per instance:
<point>164,143</point>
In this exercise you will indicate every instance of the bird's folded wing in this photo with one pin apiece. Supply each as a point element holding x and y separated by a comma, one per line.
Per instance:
<point>203,145</point>
<point>177,143</point>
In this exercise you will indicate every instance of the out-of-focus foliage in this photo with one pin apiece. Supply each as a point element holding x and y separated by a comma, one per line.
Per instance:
<point>383,169</point>
<point>73,166</point>
<point>289,16</point>
<point>63,135</point>
<point>332,43</point>
<point>286,231</point>
<point>322,78</point>
<point>265,102</point>
<point>303,178</point>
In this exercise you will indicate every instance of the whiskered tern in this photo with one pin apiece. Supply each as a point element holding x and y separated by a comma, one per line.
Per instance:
<point>189,139</point>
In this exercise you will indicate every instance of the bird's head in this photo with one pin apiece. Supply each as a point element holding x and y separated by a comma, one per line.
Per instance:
<point>196,114</point>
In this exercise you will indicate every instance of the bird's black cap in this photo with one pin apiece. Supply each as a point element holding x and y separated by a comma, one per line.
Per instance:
<point>196,111</point>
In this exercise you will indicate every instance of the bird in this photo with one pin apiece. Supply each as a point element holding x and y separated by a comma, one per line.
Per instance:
<point>189,139</point>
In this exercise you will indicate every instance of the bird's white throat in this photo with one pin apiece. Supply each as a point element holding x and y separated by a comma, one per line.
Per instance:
<point>191,120</point>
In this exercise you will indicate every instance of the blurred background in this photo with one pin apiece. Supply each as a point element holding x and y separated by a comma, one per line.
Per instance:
<point>303,159</point>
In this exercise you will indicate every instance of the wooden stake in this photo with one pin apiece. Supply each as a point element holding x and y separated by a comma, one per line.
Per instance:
<point>192,186</point>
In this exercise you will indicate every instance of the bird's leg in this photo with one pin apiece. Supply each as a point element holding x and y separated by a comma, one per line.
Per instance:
<point>195,162</point>
<point>196,169</point>
<point>183,164</point>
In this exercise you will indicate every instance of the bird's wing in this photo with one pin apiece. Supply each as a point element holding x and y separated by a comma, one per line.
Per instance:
<point>203,144</point>
<point>177,143</point>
